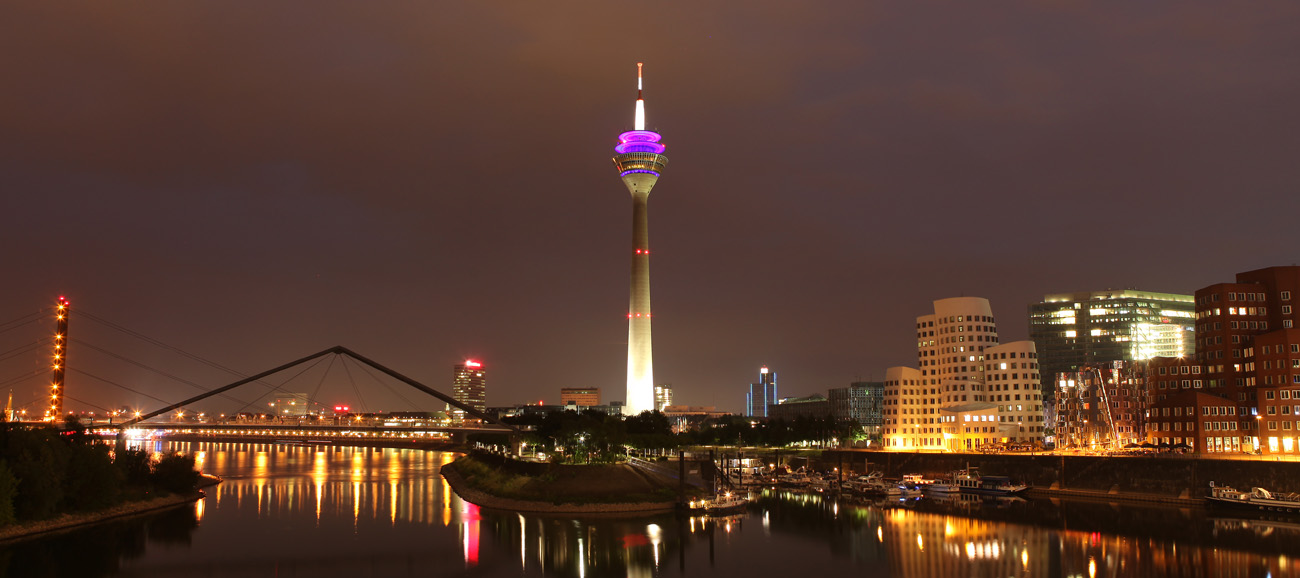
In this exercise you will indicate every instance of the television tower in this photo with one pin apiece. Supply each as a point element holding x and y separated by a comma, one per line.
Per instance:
<point>639,161</point>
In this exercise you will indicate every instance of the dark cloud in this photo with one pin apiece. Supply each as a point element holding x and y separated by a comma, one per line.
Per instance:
<point>428,181</point>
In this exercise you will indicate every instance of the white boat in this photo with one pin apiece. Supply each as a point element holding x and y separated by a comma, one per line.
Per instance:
<point>727,502</point>
<point>823,483</point>
<point>1257,499</point>
<point>942,487</point>
<point>795,479</point>
<point>875,484</point>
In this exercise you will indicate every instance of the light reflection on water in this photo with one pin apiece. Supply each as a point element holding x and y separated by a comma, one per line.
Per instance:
<point>335,511</point>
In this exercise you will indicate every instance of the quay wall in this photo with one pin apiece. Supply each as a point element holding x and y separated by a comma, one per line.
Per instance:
<point>1162,475</point>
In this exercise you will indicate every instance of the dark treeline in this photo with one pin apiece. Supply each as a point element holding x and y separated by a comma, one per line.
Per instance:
<point>595,437</point>
<point>48,471</point>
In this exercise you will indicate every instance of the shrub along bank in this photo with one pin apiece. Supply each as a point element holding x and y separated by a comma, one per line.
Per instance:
<point>48,471</point>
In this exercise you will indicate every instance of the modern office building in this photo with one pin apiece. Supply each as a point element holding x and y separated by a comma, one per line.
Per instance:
<point>1090,328</point>
<point>469,387</point>
<point>663,396</point>
<point>585,396</point>
<point>1247,353</point>
<point>639,161</point>
<point>861,402</point>
<point>761,395</point>
<point>1102,406</point>
<point>970,391</point>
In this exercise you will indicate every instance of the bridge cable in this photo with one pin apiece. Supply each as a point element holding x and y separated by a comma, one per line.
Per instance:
<point>22,321</point>
<point>23,349</point>
<point>369,371</point>
<point>356,389</point>
<point>315,392</point>
<point>113,383</point>
<point>86,403</point>
<point>151,369</point>
<point>157,343</point>
<point>22,378</point>
<point>279,388</point>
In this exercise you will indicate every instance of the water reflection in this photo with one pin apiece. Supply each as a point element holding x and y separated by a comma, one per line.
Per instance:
<point>332,511</point>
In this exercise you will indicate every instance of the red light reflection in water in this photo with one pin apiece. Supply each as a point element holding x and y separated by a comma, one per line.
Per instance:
<point>470,517</point>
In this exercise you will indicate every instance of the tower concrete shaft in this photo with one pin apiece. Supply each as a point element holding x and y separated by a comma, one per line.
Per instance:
<point>640,162</point>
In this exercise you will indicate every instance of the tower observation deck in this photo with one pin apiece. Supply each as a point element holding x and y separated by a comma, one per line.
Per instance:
<point>639,161</point>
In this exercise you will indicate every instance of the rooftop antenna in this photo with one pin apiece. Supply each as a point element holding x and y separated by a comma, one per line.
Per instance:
<point>639,123</point>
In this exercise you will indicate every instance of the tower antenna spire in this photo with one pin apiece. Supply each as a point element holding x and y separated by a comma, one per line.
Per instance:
<point>639,122</point>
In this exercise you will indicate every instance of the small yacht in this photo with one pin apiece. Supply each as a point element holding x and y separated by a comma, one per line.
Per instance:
<point>1258,499</point>
<point>970,481</point>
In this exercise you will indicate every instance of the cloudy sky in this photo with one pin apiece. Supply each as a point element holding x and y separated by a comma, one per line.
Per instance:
<point>425,181</point>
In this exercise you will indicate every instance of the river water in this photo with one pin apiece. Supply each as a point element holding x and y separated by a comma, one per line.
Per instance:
<point>300,511</point>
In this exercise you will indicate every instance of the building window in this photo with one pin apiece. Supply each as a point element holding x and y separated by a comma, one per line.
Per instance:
<point>1286,295</point>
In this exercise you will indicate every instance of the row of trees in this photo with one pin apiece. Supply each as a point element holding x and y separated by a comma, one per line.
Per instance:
<point>596,437</point>
<point>48,471</point>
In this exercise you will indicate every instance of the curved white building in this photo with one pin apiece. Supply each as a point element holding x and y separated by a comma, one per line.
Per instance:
<point>962,400</point>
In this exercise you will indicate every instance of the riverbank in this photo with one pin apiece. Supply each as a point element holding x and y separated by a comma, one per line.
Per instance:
<point>443,446</point>
<point>557,489</point>
<point>68,522</point>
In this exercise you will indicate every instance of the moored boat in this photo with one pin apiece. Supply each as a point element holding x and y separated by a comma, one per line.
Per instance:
<point>875,484</point>
<point>1257,499</point>
<point>970,481</point>
<point>718,504</point>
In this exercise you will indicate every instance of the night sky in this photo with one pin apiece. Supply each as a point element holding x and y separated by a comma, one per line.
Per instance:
<point>427,181</point>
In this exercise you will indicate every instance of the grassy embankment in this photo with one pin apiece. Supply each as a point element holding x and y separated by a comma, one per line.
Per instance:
<point>561,484</point>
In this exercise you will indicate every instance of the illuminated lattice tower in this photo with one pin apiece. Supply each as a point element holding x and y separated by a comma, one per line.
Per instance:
<point>60,361</point>
<point>639,161</point>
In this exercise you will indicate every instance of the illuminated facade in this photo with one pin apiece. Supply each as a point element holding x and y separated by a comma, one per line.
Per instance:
<point>911,409</point>
<point>861,402</point>
<point>762,395</point>
<point>1102,406</point>
<point>639,161</point>
<point>582,396</point>
<point>1247,353</point>
<point>1073,330</point>
<point>958,401</point>
<point>663,396</point>
<point>469,386</point>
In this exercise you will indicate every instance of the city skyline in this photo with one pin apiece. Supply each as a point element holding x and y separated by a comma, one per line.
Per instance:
<point>252,189</point>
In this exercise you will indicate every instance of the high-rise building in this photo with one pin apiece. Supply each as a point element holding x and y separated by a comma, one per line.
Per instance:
<point>469,387</point>
<point>580,396</point>
<point>761,395</point>
<point>1074,330</point>
<point>639,161</point>
<point>860,402</point>
<point>663,396</point>
<point>970,391</point>
<point>1246,370</point>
